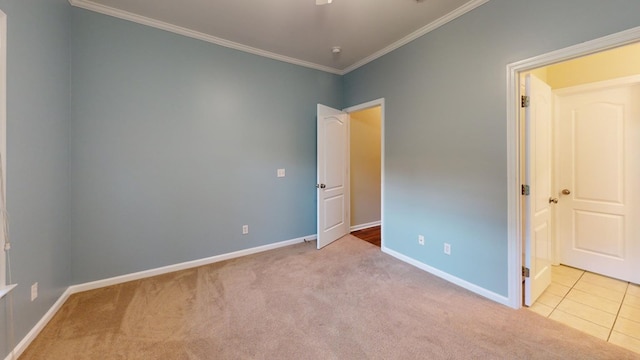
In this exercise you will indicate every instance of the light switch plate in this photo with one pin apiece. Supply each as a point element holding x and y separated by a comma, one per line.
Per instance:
<point>281,173</point>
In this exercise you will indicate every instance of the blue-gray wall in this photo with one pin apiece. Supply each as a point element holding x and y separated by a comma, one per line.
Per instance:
<point>131,148</point>
<point>445,130</point>
<point>175,144</point>
<point>38,165</point>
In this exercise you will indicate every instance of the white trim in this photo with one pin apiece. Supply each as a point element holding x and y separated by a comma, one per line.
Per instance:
<point>448,277</point>
<point>365,226</point>
<point>26,341</point>
<point>74,289</point>
<point>4,290</point>
<point>367,105</point>
<point>418,33</point>
<point>514,199</point>
<point>3,138</point>
<point>182,266</point>
<point>600,85</point>
<point>125,15</point>
<point>364,106</point>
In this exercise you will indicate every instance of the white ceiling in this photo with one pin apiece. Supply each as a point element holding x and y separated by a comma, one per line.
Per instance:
<point>295,31</point>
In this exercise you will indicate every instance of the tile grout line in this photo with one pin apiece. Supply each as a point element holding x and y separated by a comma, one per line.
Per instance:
<point>567,293</point>
<point>618,313</point>
<point>634,336</point>
<point>588,320</point>
<point>599,296</point>
<point>620,303</point>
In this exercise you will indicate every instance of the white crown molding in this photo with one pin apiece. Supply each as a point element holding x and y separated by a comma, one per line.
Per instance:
<point>125,15</point>
<point>418,33</point>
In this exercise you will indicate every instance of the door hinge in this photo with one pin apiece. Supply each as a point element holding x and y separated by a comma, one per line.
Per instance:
<point>524,101</point>
<point>525,190</point>
<point>525,272</point>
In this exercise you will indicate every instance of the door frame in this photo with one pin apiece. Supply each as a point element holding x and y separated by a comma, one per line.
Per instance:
<point>3,146</point>
<point>515,164</point>
<point>364,106</point>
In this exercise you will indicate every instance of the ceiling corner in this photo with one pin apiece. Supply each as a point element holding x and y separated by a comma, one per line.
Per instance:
<point>125,15</point>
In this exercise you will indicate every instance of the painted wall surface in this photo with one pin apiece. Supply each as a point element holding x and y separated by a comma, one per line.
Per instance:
<point>445,125</point>
<point>170,144</point>
<point>541,73</point>
<point>37,159</point>
<point>596,67</point>
<point>175,144</point>
<point>365,166</point>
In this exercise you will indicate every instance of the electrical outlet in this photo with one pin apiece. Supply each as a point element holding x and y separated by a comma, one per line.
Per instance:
<point>421,239</point>
<point>245,229</point>
<point>447,248</point>
<point>34,291</point>
<point>281,173</point>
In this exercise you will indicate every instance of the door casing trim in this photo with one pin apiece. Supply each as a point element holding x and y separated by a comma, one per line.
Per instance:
<point>514,144</point>
<point>3,143</point>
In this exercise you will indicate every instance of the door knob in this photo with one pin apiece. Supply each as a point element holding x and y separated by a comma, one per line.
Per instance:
<point>553,200</point>
<point>321,186</point>
<point>566,192</point>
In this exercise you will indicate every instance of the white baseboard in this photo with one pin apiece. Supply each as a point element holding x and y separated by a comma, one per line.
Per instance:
<point>365,226</point>
<point>24,343</point>
<point>73,289</point>
<point>182,266</point>
<point>448,277</point>
<point>4,290</point>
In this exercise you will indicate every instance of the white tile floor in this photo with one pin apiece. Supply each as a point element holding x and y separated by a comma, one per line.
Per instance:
<point>603,307</point>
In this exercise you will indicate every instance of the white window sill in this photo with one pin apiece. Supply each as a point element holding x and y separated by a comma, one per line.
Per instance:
<point>6,289</point>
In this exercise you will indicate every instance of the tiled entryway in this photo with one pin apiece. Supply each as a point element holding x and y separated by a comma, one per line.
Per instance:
<point>603,307</point>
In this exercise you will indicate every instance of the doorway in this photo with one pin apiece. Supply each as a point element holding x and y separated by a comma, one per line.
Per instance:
<point>515,163</point>
<point>595,204</point>
<point>604,305</point>
<point>579,141</point>
<point>366,170</point>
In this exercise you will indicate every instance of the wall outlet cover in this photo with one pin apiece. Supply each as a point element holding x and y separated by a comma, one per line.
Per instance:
<point>34,291</point>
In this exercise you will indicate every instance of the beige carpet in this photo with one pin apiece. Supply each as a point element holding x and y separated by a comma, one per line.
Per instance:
<point>347,301</point>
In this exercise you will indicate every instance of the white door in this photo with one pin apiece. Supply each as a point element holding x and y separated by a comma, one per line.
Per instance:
<point>538,234</point>
<point>333,176</point>
<point>599,180</point>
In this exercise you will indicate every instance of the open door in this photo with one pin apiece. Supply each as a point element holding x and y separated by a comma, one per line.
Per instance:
<point>599,134</point>
<point>538,202</point>
<point>333,176</point>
